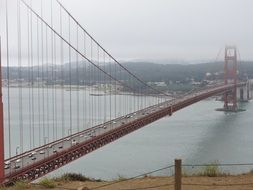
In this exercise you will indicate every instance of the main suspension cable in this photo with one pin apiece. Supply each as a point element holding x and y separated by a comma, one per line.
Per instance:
<point>114,59</point>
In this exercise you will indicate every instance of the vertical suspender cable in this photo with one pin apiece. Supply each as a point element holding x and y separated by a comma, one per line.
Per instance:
<point>126,97</point>
<point>127,78</point>
<point>77,81</point>
<point>83,82</point>
<point>111,88</point>
<point>62,80</point>
<point>20,76</point>
<point>2,119</point>
<point>120,95</point>
<point>29,80</point>
<point>47,83</point>
<point>54,89</point>
<point>104,89</point>
<point>70,82</point>
<point>42,76</point>
<point>90,98</point>
<point>92,82</point>
<point>55,78</point>
<point>52,71</point>
<point>99,87</point>
<point>8,78</point>
<point>115,91</point>
<point>38,81</point>
<point>55,92</point>
<point>32,78</point>
<point>133,94</point>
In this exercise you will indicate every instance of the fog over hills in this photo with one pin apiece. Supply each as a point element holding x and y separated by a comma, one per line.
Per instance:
<point>147,71</point>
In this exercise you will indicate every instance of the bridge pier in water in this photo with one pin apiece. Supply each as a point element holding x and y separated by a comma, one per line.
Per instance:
<point>244,93</point>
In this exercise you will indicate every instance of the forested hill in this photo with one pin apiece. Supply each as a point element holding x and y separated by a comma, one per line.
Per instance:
<point>176,72</point>
<point>149,72</point>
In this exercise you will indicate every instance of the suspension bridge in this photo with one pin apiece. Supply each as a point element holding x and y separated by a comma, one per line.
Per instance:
<point>63,95</point>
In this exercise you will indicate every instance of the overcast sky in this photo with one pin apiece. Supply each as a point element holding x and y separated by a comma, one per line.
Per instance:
<point>167,29</point>
<point>155,29</point>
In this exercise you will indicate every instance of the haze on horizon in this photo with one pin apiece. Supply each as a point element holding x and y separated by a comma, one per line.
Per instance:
<point>167,29</point>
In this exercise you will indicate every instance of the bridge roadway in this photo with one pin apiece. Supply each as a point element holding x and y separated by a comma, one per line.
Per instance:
<point>40,161</point>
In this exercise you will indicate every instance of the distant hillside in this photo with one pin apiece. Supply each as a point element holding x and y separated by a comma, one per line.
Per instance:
<point>176,72</point>
<point>149,72</point>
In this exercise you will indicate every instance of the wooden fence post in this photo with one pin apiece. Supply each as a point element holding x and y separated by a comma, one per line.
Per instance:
<point>178,174</point>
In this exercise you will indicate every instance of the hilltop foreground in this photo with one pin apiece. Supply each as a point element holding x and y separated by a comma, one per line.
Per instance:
<point>237,182</point>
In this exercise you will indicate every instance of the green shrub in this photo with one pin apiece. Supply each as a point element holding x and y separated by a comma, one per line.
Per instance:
<point>75,177</point>
<point>47,183</point>
<point>211,171</point>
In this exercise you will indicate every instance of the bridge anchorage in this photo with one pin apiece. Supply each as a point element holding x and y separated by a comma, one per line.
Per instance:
<point>230,97</point>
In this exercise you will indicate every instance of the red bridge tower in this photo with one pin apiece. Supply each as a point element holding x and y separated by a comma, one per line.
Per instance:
<point>230,77</point>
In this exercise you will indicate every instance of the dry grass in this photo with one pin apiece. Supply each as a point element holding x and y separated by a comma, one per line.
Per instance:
<point>22,185</point>
<point>215,181</point>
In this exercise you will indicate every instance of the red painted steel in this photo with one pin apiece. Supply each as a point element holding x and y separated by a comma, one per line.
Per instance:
<point>43,167</point>
<point>1,123</point>
<point>230,77</point>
